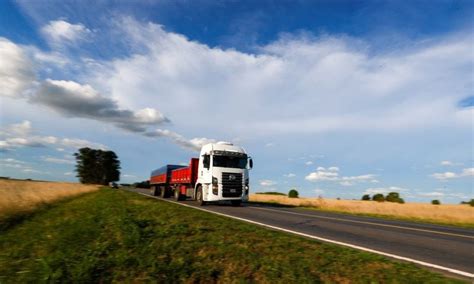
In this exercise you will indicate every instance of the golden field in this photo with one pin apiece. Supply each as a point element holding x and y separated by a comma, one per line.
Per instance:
<point>22,196</point>
<point>449,214</point>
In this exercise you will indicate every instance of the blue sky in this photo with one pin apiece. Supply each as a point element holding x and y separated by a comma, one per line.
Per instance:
<point>334,98</point>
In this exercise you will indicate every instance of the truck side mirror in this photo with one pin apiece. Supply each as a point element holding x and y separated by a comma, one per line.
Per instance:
<point>251,163</point>
<point>206,161</point>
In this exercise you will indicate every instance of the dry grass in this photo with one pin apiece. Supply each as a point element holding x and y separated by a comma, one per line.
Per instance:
<point>23,196</point>
<point>449,214</point>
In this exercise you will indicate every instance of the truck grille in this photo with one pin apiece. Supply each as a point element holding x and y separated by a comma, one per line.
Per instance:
<point>231,185</point>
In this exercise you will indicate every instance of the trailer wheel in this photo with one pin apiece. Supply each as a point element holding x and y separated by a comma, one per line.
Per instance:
<point>177,195</point>
<point>199,198</point>
<point>163,192</point>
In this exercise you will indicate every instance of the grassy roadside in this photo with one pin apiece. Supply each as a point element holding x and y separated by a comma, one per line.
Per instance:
<point>120,236</point>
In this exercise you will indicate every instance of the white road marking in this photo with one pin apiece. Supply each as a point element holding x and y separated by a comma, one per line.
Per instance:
<point>364,222</point>
<point>427,264</point>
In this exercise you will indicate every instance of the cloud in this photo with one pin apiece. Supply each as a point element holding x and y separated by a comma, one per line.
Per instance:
<point>194,144</point>
<point>332,174</point>
<point>290,175</point>
<point>21,135</point>
<point>449,163</point>
<point>267,182</point>
<point>308,163</point>
<point>61,32</point>
<point>431,194</point>
<point>468,172</point>
<point>75,100</point>
<point>384,190</point>
<point>58,160</point>
<point>16,70</point>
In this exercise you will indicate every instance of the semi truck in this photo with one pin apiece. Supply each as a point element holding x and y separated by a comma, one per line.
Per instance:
<point>221,173</point>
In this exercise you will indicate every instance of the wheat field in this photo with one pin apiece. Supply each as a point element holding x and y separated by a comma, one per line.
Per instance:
<point>452,214</point>
<point>17,196</point>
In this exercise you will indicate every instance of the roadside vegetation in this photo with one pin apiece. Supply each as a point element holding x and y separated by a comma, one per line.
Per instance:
<point>445,214</point>
<point>119,236</point>
<point>19,198</point>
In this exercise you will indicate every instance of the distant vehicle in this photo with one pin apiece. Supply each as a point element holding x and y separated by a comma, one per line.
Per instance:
<point>113,185</point>
<point>221,173</point>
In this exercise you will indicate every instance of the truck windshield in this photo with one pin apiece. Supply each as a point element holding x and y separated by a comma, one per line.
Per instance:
<point>239,162</point>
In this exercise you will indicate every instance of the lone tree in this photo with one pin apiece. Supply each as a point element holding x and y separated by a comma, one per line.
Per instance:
<point>435,202</point>
<point>293,193</point>
<point>97,166</point>
<point>394,197</point>
<point>378,197</point>
<point>366,197</point>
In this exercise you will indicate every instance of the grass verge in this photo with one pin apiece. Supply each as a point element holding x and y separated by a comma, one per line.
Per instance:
<point>118,236</point>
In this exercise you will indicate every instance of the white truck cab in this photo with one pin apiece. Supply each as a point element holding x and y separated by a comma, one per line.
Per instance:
<point>223,173</point>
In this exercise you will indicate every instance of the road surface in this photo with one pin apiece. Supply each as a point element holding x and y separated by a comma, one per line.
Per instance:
<point>443,248</point>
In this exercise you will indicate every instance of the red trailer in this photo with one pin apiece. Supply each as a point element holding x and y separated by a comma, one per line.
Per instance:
<point>179,180</point>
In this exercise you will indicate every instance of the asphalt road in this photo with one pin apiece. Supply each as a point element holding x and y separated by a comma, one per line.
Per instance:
<point>448,247</point>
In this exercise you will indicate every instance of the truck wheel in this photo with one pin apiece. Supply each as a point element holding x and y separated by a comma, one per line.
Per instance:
<point>163,192</point>
<point>177,195</point>
<point>153,191</point>
<point>236,202</point>
<point>199,198</point>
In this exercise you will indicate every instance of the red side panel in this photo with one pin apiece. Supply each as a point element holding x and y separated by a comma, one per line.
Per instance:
<point>186,175</point>
<point>158,179</point>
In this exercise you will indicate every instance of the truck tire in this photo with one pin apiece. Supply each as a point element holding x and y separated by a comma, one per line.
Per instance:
<point>153,191</point>
<point>163,192</point>
<point>236,202</point>
<point>177,195</point>
<point>199,198</point>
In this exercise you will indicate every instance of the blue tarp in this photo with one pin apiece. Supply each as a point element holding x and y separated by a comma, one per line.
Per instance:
<point>166,169</point>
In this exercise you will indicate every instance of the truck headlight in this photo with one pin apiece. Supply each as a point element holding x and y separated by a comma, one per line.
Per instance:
<point>215,186</point>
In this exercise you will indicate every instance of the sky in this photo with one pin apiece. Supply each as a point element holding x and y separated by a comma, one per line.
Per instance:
<point>334,98</point>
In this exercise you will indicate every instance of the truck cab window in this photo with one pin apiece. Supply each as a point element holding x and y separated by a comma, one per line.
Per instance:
<point>206,161</point>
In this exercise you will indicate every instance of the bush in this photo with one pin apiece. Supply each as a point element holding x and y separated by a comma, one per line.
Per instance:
<point>394,197</point>
<point>366,197</point>
<point>470,202</point>
<point>435,202</point>
<point>293,193</point>
<point>378,197</point>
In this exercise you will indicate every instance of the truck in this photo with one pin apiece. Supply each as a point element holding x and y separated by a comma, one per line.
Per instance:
<point>221,173</point>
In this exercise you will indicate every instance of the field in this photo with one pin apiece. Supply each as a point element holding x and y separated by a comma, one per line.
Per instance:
<point>21,197</point>
<point>119,236</point>
<point>462,215</point>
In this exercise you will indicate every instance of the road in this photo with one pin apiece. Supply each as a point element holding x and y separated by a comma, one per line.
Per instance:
<point>443,248</point>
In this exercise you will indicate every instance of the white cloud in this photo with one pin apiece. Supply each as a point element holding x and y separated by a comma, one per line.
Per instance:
<point>432,194</point>
<point>308,163</point>
<point>290,175</point>
<point>194,144</point>
<point>385,190</point>
<point>267,182</point>
<point>68,173</point>
<point>332,174</point>
<point>16,69</point>
<point>319,191</point>
<point>62,32</point>
<point>468,172</point>
<point>58,160</point>
<point>449,163</point>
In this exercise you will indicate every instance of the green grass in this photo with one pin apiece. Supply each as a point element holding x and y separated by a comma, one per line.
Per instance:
<point>271,193</point>
<point>118,236</point>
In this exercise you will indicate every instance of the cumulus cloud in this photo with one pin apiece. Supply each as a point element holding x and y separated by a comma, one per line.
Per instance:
<point>267,182</point>
<point>468,172</point>
<point>311,75</point>
<point>75,100</point>
<point>194,144</point>
<point>332,174</point>
<point>385,190</point>
<point>16,69</point>
<point>21,135</point>
<point>62,32</point>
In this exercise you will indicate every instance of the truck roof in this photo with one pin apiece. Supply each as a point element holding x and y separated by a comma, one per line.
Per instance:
<point>221,146</point>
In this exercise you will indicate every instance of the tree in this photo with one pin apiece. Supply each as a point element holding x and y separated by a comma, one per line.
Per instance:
<point>293,193</point>
<point>435,202</point>
<point>97,166</point>
<point>366,197</point>
<point>378,197</point>
<point>394,197</point>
